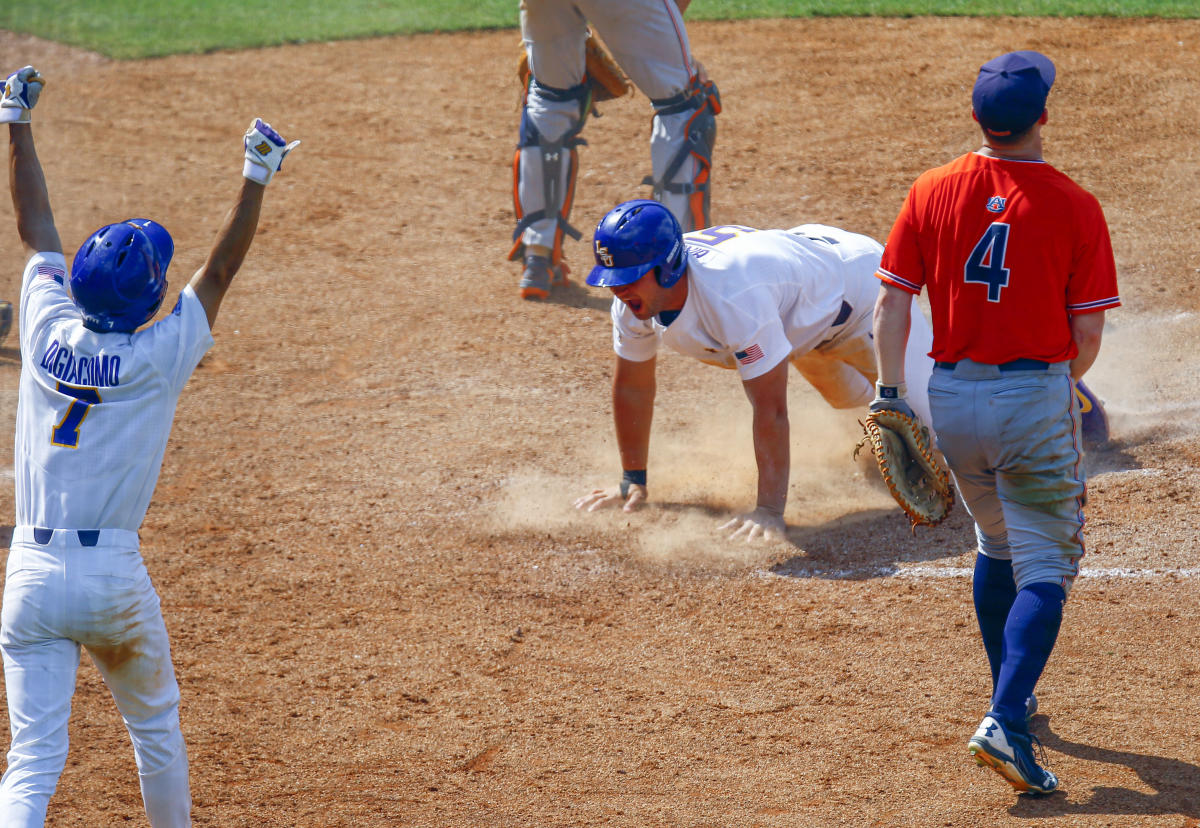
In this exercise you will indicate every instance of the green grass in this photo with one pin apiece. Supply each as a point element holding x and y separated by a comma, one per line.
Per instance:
<point>148,28</point>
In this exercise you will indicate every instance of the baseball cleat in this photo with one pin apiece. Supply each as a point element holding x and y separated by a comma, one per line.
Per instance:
<point>539,275</point>
<point>535,281</point>
<point>1010,753</point>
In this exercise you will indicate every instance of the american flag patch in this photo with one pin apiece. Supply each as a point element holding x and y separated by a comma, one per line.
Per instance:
<point>751,354</point>
<point>50,272</point>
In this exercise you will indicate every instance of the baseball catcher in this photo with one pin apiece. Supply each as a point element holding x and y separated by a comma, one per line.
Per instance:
<point>564,73</point>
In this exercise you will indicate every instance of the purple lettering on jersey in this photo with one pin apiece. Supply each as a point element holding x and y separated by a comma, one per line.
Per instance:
<point>48,357</point>
<point>92,372</point>
<point>61,360</point>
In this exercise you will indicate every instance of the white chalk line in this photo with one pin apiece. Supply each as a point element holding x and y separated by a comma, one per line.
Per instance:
<point>921,573</point>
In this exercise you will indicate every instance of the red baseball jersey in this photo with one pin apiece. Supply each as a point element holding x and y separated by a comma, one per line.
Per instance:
<point>1009,251</point>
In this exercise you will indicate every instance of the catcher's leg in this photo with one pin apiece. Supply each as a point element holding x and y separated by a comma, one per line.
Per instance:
<point>682,136</point>
<point>544,173</point>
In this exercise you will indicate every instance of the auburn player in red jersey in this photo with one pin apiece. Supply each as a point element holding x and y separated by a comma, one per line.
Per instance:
<point>1019,268</point>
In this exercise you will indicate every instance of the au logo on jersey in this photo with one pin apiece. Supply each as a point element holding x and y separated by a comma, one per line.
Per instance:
<point>996,204</point>
<point>602,253</point>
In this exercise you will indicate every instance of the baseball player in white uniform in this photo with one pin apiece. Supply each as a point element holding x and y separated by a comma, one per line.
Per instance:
<point>97,398</point>
<point>744,299</point>
<point>648,40</point>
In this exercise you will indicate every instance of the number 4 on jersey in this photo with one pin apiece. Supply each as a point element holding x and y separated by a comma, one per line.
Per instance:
<point>986,263</point>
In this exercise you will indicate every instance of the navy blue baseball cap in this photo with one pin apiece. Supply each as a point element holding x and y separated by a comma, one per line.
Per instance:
<point>1010,92</point>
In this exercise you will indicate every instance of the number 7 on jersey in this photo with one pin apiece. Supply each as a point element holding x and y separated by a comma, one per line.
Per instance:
<point>66,433</point>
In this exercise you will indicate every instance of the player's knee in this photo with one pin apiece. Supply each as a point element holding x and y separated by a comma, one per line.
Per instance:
<point>157,740</point>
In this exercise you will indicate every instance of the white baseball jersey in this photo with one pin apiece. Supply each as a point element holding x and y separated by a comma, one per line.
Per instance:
<point>756,297</point>
<point>95,410</point>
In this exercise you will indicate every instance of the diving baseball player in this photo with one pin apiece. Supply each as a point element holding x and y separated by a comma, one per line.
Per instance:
<point>1019,267</point>
<point>648,40</point>
<point>97,398</point>
<point>745,299</point>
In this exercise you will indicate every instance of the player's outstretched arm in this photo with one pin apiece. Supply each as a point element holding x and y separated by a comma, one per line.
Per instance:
<point>264,152</point>
<point>27,183</point>
<point>772,452</point>
<point>634,387</point>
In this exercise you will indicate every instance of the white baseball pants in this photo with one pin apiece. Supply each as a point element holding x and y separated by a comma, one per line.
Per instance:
<point>59,596</point>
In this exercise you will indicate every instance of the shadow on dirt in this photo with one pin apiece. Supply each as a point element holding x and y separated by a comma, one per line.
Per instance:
<point>1176,784</point>
<point>1112,456</point>
<point>575,295</point>
<point>873,544</point>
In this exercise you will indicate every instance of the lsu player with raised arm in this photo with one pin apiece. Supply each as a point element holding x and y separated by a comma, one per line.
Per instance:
<point>98,393</point>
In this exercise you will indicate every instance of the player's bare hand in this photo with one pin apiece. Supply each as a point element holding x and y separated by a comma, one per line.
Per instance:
<point>761,524</point>
<point>699,71</point>
<point>599,498</point>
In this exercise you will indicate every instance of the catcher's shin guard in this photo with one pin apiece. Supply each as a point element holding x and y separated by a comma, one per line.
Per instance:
<point>556,164</point>
<point>689,200</point>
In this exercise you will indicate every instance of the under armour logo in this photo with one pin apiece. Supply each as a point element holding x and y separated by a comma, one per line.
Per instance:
<point>603,255</point>
<point>996,204</point>
<point>991,729</point>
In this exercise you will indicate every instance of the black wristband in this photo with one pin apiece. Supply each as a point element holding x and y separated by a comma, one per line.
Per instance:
<point>632,477</point>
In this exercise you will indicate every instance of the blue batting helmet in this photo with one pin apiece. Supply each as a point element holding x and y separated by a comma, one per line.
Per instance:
<point>635,237</point>
<point>118,277</point>
<point>164,246</point>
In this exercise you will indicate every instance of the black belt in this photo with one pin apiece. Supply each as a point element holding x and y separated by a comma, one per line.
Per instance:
<point>87,537</point>
<point>1014,365</point>
<point>843,314</point>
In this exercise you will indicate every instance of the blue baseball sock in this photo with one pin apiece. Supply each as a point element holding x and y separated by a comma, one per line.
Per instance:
<point>1029,636</point>
<point>994,591</point>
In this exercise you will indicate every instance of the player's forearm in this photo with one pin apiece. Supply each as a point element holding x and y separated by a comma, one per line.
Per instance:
<point>633,390</point>
<point>1087,331</point>
<point>236,234</point>
<point>30,198</point>
<point>633,411</point>
<point>772,452</point>
<point>891,324</point>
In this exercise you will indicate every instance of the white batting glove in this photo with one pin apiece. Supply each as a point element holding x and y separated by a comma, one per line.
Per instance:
<point>265,151</point>
<point>21,90</point>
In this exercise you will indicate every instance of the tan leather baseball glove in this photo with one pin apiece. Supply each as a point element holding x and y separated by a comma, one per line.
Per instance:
<point>910,469</point>
<point>601,73</point>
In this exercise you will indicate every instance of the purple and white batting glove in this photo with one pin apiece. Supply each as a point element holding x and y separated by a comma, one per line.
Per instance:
<point>21,90</point>
<point>265,151</point>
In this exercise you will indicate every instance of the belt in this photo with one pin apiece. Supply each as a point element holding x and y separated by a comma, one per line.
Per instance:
<point>1014,365</point>
<point>85,537</point>
<point>843,314</point>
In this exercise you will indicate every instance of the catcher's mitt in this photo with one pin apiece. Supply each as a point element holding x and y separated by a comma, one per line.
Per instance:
<point>604,78</point>
<point>6,320</point>
<point>911,471</point>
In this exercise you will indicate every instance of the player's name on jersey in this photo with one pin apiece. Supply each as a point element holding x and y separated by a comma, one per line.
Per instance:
<point>95,371</point>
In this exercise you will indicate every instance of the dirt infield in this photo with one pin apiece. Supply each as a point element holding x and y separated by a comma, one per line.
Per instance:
<point>383,609</point>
